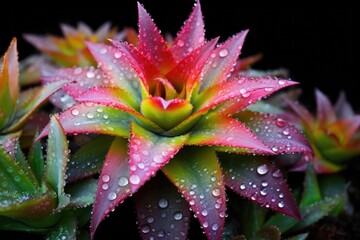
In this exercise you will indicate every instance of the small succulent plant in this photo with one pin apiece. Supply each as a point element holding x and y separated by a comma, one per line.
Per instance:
<point>71,50</point>
<point>18,106</point>
<point>32,190</point>
<point>333,133</point>
<point>176,110</point>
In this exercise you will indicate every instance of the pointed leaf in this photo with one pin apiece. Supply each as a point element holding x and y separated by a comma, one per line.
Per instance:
<point>82,193</point>
<point>25,206</point>
<point>65,229</point>
<point>146,70</point>
<point>260,181</point>
<point>189,69</point>
<point>36,160</point>
<point>325,112</point>
<point>150,152</point>
<point>305,116</point>
<point>242,91</point>
<point>25,110</point>
<point>81,79</point>
<point>113,186</point>
<point>222,61</point>
<point>56,159</point>
<point>311,193</point>
<point>117,68</point>
<point>89,159</point>
<point>9,84</point>
<point>8,142</point>
<point>197,174</point>
<point>275,132</point>
<point>302,236</point>
<point>342,107</point>
<point>161,210</point>
<point>152,43</point>
<point>12,176</point>
<point>218,130</point>
<point>24,165</point>
<point>191,36</point>
<point>92,118</point>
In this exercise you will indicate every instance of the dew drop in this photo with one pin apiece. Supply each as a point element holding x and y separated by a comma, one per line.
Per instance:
<point>223,52</point>
<point>215,227</point>
<point>145,229</point>
<point>205,224</point>
<point>263,192</point>
<point>159,159</point>
<point>180,43</point>
<point>90,115</point>
<point>105,116</point>
<point>178,216</point>
<point>276,173</point>
<point>75,112</point>
<point>280,122</point>
<point>77,71</point>
<point>150,219</point>
<point>204,213</point>
<point>242,186</point>
<point>274,149</point>
<point>103,51</point>
<point>163,203</point>
<point>90,74</point>
<point>134,179</point>
<point>161,233</point>
<point>112,196</point>
<point>262,169</point>
<point>281,82</point>
<point>281,204</point>
<point>216,192</point>
<point>117,55</point>
<point>105,178</point>
<point>281,195</point>
<point>286,132</point>
<point>123,181</point>
<point>264,183</point>
<point>268,89</point>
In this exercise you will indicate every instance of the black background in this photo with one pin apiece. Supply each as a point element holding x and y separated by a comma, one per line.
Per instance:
<point>316,44</point>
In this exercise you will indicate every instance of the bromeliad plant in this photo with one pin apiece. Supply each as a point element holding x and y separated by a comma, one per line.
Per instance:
<point>175,110</point>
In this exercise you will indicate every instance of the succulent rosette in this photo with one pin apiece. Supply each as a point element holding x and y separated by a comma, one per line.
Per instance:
<point>176,112</point>
<point>333,133</point>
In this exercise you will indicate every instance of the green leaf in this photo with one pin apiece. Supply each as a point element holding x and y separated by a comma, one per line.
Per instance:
<point>12,176</point>
<point>36,160</point>
<point>82,193</point>
<point>196,173</point>
<point>89,159</point>
<point>9,84</point>
<point>253,218</point>
<point>26,206</point>
<point>23,111</point>
<point>316,211</point>
<point>56,159</point>
<point>311,192</point>
<point>20,158</point>
<point>66,228</point>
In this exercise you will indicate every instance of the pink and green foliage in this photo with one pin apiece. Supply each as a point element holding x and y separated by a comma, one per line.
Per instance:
<point>184,117</point>
<point>32,189</point>
<point>18,106</point>
<point>333,133</point>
